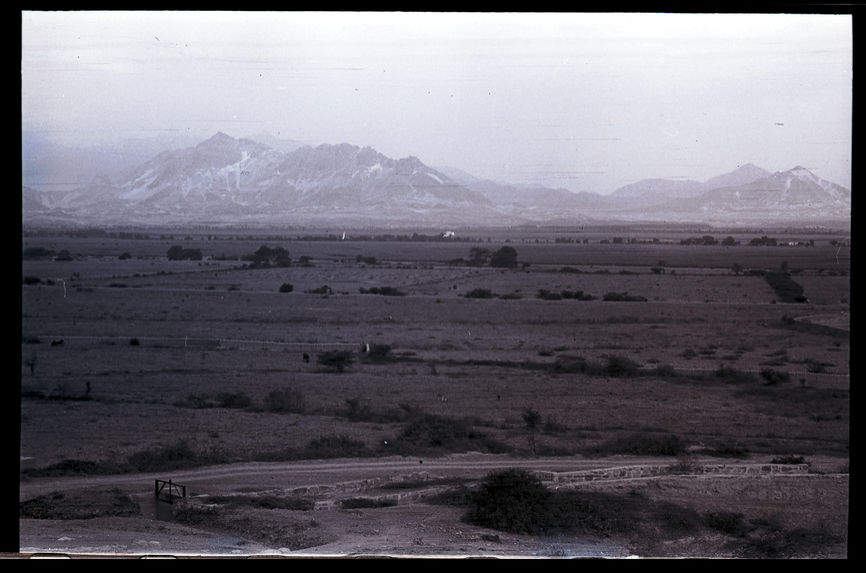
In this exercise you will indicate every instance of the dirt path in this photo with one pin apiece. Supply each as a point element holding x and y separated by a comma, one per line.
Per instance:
<point>409,528</point>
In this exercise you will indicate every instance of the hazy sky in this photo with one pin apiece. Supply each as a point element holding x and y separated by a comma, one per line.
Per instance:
<point>585,101</point>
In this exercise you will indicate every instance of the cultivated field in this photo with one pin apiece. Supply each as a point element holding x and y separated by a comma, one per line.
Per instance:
<point>368,350</point>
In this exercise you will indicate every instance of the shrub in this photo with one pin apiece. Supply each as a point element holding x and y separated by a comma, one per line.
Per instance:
<point>366,503</point>
<point>359,410</point>
<point>235,400</point>
<point>729,522</point>
<point>378,353</point>
<point>772,377</point>
<point>286,287</point>
<point>643,445</point>
<point>511,500</point>
<point>786,288</point>
<point>178,253</point>
<point>330,447</point>
<point>617,367</point>
<point>506,257</point>
<point>479,293</point>
<point>325,290</point>
<point>732,375</point>
<point>384,291</point>
<point>285,400</point>
<point>623,297</point>
<point>570,365</point>
<point>545,294</point>
<point>171,457</point>
<point>336,360</point>
<point>789,459</point>
<point>134,342</point>
<point>36,253</point>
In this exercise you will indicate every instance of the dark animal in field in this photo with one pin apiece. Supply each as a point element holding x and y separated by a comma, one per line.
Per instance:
<point>306,357</point>
<point>57,342</point>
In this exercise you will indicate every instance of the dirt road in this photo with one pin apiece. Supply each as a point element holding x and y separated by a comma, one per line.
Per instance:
<point>407,528</point>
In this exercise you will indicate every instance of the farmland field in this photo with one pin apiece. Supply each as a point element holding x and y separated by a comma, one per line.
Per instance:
<point>337,354</point>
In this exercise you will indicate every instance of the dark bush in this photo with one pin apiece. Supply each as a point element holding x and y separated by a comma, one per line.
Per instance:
<point>786,288</point>
<point>506,257</point>
<point>366,503</point>
<point>36,253</point>
<point>286,287</point>
<point>172,457</point>
<point>325,289</point>
<point>379,354</point>
<point>336,360</point>
<point>730,375</point>
<point>285,400</point>
<point>623,297</point>
<point>479,293</point>
<point>641,444</point>
<point>772,377</point>
<point>511,500</point>
<point>617,367</point>
<point>545,294</point>
<point>570,365</point>
<point>235,400</point>
<point>384,291</point>
<point>330,447</point>
<point>178,253</point>
<point>729,522</point>
<point>789,459</point>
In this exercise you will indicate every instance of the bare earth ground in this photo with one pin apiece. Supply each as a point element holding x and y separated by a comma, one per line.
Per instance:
<point>209,329</point>
<point>817,494</point>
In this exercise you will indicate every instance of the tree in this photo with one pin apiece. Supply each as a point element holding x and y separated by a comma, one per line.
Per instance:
<point>532,419</point>
<point>286,287</point>
<point>506,257</point>
<point>479,256</point>
<point>737,268</point>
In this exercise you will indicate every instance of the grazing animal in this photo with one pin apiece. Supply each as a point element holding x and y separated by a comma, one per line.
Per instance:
<point>57,342</point>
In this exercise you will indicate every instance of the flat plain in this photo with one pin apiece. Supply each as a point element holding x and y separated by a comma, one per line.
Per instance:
<point>396,350</point>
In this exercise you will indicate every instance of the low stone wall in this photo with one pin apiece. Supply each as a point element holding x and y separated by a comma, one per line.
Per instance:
<point>563,479</point>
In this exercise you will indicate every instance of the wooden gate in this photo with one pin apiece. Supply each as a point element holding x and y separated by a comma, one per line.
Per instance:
<point>168,491</point>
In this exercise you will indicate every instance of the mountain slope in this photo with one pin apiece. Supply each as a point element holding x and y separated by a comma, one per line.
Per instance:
<point>796,194</point>
<point>230,180</point>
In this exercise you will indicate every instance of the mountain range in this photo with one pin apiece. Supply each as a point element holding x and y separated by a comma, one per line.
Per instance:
<point>263,180</point>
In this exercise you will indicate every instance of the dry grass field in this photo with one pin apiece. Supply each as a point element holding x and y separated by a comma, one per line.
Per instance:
<point>169,365</point>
